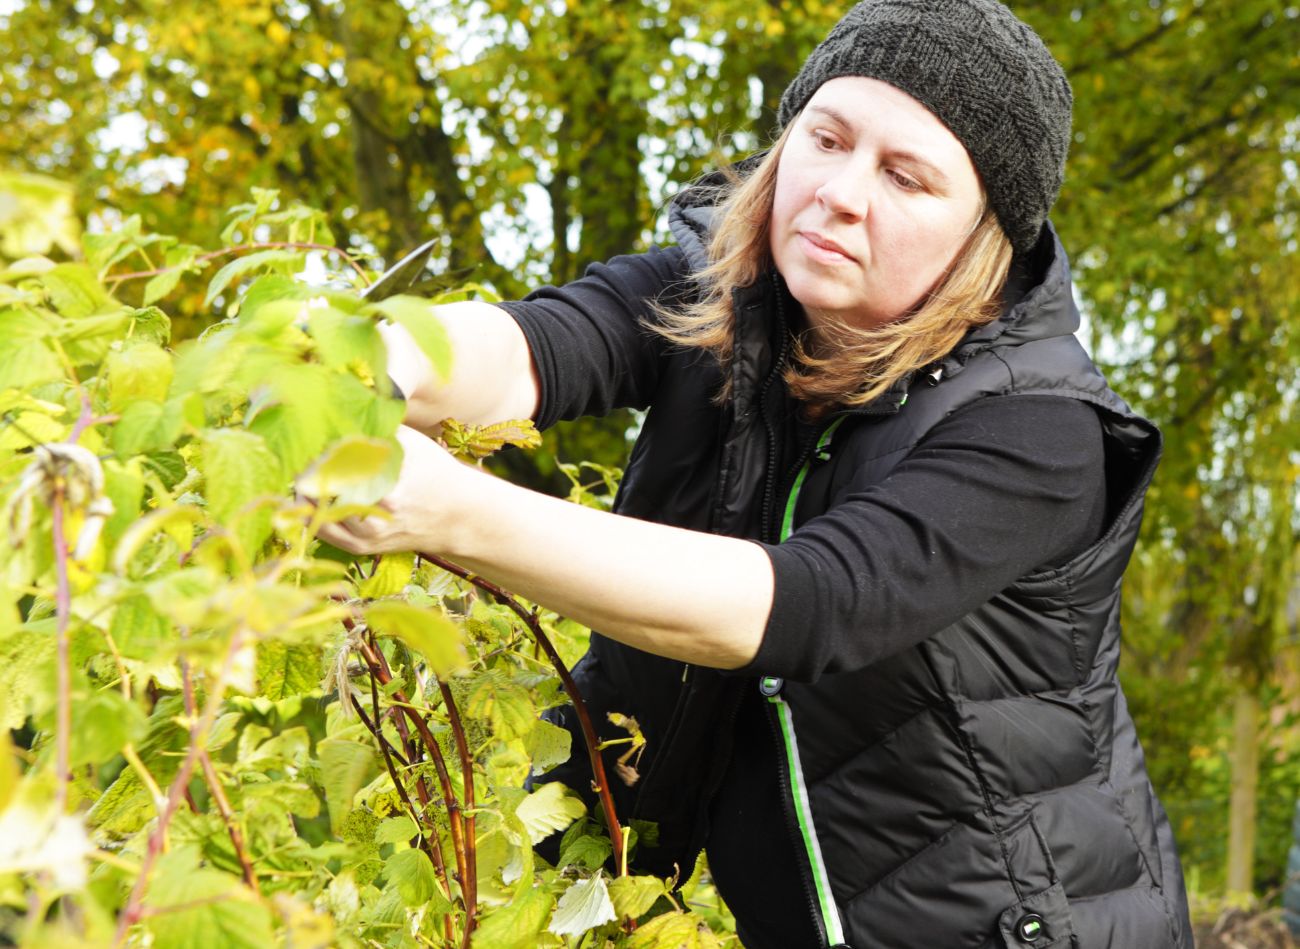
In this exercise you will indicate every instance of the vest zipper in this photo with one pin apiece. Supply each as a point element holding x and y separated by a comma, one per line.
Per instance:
<point>797,805</point>
<point>798,812</point>
<point>769,480</point>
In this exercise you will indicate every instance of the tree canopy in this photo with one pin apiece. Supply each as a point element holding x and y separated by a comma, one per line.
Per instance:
<point>535,137</point>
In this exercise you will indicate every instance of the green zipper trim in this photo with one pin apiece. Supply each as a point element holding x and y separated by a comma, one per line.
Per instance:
<point>803,811</point>
<point>798,789</point>
<point>787,522</point>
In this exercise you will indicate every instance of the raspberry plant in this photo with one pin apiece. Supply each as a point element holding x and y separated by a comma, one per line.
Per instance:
<point>214,729</point>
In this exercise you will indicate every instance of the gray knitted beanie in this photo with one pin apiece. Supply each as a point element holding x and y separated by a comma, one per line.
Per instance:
<point>982,72</point>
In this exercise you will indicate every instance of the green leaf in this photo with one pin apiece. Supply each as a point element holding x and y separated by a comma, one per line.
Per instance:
<point>102,722</point>
<point>345,768</point>
<point>548,746</point>
<point>161,285</point>
<point>431,634</point>
<point>242,265</point>
<point>344,340</point>
<point>187,596</point>
<point>505,704</point>
<point>151,324</point>
<point>26,676</point>
<point>634,895</point>
<point>26,358</point>
<point>419,319</point>
<point>585,905</point>
<point>238,467</point>
<point>146,427</point>
<point>124,485</point>
<point>75,291</point>
<point>390,577</point>
<point>355,470</point>
<point>138,630</point>
<point>674,931</point>
<point>585,850</point>
<point>142,371</point>
<point>396,830</point>
<point>518,924</point>
<point>285,669</point>
<point>411,871</point>
<point>293,412</point>
<point>197,907</point>
<point>180,260</point>
<point>550,808</point>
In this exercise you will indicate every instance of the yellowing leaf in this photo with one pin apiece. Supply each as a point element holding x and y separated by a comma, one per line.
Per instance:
<point>392,574</point>
<point>478,441</point>
<point>357,469</point>
<point>142,371</point>
<point>550,808</point>
<point>428,632</point>
<point>505,705</point>
<point>518,924</point>
<point>634,895</point>
<point>674,931</point>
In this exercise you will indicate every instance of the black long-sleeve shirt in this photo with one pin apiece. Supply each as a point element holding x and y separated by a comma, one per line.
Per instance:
<point>999,488</point>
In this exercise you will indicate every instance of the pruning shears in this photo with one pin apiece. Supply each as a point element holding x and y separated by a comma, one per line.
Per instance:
<point>403,275</point>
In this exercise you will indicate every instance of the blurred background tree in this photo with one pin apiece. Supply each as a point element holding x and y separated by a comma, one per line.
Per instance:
<point>535,137</point>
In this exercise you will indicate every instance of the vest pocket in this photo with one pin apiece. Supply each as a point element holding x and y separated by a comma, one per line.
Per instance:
<point>1039,921</point>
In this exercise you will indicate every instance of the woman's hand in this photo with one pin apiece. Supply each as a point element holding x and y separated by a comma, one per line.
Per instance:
<point>418,505</point>
<point>698,597</point>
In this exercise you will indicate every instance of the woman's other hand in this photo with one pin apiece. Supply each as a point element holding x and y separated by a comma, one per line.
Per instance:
<point>416,507</point>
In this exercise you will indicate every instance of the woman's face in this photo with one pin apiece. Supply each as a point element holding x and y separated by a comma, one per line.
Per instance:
<point>874,198</point>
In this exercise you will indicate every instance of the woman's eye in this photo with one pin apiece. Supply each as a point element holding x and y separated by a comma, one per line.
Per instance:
<point>823,141</point>
<point>906,182</point>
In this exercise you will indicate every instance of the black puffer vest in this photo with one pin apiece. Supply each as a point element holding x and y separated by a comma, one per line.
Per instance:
<point>982,789</point>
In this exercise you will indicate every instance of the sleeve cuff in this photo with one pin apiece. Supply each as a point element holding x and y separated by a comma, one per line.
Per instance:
<point>787,648</point>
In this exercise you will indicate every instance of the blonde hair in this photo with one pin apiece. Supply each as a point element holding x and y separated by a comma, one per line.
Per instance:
<point>848,366</point>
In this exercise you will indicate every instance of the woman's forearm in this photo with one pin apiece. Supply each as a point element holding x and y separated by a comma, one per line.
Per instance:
<point>687,595</point>
<point>492,375</point>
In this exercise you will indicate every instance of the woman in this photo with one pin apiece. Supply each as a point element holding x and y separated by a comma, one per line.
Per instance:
<point>861,591</point>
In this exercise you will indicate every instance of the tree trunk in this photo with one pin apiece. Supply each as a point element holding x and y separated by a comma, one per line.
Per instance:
<point>1242,806</point>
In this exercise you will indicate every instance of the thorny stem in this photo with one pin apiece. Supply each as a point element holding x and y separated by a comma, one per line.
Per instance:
<point>385,743</point>
<point>584,718</point>
<point>214,786</point>
<point>467,778</point>
<point>375,660</point>
<point>63,613</point>
<point>262,245</point>
<point>179,786</point>
<point>429,842</point>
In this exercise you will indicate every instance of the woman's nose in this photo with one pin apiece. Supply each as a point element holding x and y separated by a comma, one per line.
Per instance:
<point>847,193</point>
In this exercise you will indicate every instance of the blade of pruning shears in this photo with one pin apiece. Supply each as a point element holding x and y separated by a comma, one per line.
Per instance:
<point>402,275</point>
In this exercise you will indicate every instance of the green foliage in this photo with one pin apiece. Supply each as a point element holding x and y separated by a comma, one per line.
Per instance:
<point>276,705</point>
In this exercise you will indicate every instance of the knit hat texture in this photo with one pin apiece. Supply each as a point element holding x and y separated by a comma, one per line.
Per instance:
<point>986,75</point>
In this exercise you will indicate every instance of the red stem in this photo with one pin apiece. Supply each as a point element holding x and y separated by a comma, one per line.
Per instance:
<point>215,789</point>
<point>262,245</point>
<point>375,660</point>
<point>133,910</point>
<point>429,842</point>
<point>584,718</point>
<point>467,778</point>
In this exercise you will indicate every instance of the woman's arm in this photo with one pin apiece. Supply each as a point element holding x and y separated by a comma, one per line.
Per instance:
<point>492,374</point>
<point>686,595</point>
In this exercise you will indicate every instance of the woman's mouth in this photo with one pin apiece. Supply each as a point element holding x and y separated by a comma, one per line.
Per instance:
<point>823,249</point>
